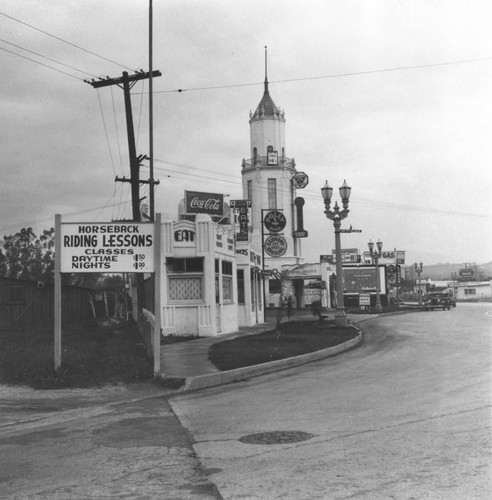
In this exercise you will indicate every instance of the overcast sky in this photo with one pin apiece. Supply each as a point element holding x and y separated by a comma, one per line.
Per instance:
<point>394,97</point>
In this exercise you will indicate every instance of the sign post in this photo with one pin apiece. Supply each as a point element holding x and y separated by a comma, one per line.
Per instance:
<point>156,341</point>
<point>111,247</point>
<point>57,291</point>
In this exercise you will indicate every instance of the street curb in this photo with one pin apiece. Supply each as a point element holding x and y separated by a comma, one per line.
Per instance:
<point>229,376</point>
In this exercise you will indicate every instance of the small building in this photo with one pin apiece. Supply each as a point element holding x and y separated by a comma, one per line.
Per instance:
<point>473,290</point>
<point>210,285</point>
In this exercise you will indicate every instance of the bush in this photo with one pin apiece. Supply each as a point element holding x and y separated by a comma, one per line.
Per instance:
<point>299,337</point>
<point>92,356</point>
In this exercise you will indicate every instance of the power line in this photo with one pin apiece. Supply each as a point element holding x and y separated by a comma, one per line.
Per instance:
<point>106,132</point>
<point>48,58</point>
<point>64,41</point>
<point>116,128</point>
<point>40,63</point>
<point>312,195</point>
<point>337,75</point>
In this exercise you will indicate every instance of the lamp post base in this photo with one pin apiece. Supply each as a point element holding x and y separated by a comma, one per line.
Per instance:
<point>341,319</point>
<point>378,308</point>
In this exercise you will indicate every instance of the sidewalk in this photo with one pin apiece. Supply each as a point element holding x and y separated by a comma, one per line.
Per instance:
<point>189,360</point>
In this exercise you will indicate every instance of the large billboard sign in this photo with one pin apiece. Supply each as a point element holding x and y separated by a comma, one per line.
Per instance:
<point>204,203</point>
<point>362,279</point>
<point>107,248</point>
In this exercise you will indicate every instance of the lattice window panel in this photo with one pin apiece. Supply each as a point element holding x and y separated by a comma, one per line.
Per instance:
<point>185,288</point>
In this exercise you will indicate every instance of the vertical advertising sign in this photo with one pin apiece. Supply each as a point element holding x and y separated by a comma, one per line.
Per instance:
<point>400,257</point>
<point>241,206</point>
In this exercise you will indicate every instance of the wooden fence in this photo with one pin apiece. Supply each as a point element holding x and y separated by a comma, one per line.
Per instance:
<point>29,303</point>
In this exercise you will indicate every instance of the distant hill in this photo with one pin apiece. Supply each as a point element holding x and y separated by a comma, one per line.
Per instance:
<point>446,271</point>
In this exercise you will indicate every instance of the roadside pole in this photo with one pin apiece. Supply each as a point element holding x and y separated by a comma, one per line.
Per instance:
<point>156,344</point>
<point>57,291</point>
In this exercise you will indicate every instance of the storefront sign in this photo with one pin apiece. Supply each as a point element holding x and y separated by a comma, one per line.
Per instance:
<point>275,221</point>
<point>400,257</point>
<point>348,255</point>
<point>275,246</point>
<point>391,274</point>
<point>300,180</point>
<point>301,234</point>
<point>107,248</point>
<point>204,203</point>
<point>184,235</point>
<point>240,204</point>
<point>243,224</point>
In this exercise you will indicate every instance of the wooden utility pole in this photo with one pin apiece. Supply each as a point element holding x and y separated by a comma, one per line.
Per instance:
<point>126,82</point>
<point>151,116</point>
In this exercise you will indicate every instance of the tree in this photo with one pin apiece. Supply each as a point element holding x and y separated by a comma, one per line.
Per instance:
<point>25,256</point>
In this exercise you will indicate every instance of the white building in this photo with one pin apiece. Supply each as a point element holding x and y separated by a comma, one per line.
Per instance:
<point>473,290</point>
<point>267,178</point>
<point>209,285</point>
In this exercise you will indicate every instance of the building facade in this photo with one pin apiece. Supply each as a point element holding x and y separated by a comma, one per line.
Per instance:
<point>268,183</point>
<point>209,285</point>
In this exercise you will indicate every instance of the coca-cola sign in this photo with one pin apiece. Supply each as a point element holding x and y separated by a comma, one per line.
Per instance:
<point>204,203</point>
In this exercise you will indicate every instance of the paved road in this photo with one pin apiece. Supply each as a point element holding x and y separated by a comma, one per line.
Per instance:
<point>120,442</point>
<point>404,416</point>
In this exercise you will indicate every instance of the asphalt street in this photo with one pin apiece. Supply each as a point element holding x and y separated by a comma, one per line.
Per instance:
<point>404,416</point>
<point>116,442</point>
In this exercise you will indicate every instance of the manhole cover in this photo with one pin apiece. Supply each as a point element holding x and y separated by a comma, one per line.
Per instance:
<point>276,437</point>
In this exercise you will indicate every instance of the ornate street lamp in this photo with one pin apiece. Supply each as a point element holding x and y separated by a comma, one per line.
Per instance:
<point>337,215</point>
<point>418,269</point>
<point>375,256</point>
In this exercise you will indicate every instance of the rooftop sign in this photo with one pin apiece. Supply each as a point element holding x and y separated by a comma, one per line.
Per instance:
<point>204,203</point>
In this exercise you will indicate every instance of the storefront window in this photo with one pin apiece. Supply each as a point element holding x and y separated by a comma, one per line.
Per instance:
<point>185,279</point>
<point>275,286</point>
<point>227,294</point>
<point>240,286</point>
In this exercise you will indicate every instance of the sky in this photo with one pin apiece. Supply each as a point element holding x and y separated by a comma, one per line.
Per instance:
<point>394,97</point>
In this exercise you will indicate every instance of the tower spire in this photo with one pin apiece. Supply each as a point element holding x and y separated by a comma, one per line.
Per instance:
<point>266,68</point>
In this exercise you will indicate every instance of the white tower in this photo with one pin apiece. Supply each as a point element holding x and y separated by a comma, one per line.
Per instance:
<point>267,178</point>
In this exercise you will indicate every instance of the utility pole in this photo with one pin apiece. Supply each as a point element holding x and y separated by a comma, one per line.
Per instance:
<point>126,82</point>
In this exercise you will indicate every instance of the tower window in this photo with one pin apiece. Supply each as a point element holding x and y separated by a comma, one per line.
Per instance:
<point>272,193</point>
<point>250,190</point>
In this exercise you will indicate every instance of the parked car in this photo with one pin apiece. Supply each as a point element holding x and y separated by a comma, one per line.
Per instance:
<point>438,300</point>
